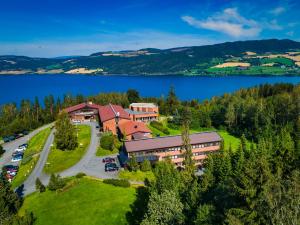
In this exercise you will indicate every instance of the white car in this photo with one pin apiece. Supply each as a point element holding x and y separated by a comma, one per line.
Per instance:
<point>20,149</point>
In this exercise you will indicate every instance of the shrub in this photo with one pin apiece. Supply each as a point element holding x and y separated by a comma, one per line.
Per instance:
<point>117,182</point>
<point>146,165</point>
<point>80,175</point>
<point>159,126</point>
<point>26,160</point>
<point>39,185</point>
<point>56,182</point>
<point>133,164</point>
<point>107,142</point>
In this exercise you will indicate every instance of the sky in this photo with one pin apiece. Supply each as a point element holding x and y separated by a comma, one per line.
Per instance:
<point>51,28</point>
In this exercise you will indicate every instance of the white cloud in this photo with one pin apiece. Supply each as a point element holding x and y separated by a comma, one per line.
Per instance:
<point>229,21</point>
<point>277,11</point>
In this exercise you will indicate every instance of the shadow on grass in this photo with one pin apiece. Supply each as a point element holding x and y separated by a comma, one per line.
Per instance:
<point>139,207</point>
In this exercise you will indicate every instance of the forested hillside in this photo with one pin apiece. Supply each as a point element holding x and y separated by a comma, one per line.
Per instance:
<point>270,57</point>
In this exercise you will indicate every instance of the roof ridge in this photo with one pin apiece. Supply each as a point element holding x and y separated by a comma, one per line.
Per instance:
<point>112,108</point>
<point>161,137</point>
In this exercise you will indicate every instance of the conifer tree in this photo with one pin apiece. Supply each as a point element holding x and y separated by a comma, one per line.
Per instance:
<point>65,135</point>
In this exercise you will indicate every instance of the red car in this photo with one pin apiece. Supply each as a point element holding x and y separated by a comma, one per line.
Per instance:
<point>108,160</point>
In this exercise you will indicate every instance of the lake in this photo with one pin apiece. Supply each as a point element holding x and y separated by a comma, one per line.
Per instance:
<point>15,88</point>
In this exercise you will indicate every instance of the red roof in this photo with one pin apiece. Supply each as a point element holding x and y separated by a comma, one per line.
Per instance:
<point>81,106</point>
<point>110,111</point>
<point>170,141</point>
<point>131,127</point>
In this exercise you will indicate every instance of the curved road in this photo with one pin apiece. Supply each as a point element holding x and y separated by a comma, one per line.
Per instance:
<point>90,164</point>
<point>11,146</point>
<point>29,184</point>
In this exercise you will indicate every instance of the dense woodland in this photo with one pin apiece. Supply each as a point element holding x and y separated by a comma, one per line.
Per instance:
<point>249,185</point>
<point>157,61</point>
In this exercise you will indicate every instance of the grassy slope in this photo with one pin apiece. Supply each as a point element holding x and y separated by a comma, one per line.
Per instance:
<point>136,176</point>
<point>35,146</point>
<point>61,160</point>
<point>88,202</point>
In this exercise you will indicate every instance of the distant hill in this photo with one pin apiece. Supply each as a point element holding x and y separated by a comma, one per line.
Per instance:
<point>270,57</point>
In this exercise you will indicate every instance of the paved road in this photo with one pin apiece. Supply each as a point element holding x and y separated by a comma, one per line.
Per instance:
<point>90,164</point>
<point>11,146</point>
<point>29,184</point>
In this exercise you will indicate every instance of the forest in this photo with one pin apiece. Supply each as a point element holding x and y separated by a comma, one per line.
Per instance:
<point>259,184</point>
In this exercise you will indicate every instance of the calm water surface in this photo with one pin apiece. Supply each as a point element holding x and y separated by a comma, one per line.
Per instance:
<point>15,88</point>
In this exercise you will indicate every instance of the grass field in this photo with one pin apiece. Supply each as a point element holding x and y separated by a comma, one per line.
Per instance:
<point>31,156</point>
<point>88,202</point>
<point>59,160</point>
<point>136,175</point>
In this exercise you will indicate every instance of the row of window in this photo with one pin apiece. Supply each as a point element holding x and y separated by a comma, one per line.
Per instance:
<point>178,148</point>
<point>182,155</point>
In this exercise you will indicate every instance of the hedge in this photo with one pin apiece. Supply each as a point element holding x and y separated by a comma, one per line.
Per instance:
<point>117,182</point>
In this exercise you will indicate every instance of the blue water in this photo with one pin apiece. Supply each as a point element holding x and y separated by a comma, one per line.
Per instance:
<point>15,88</point>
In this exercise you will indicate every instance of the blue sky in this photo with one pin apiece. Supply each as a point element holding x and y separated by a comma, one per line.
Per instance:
<point>48,28</point>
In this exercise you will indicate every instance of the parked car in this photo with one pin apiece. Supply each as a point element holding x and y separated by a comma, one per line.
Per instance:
<point>19,135</point>
<point>19,150</point>
<point>10,168</point>
<point>6,139</point>
<point>17,156</point>
<point>111,167</point>
<point>12,138</point>
<point>25,132</point>
<point>108,160</point>
<point>23,146</point>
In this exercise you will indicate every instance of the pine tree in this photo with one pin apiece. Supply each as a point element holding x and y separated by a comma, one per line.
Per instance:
<point>188,162</point>
<point>39,185</point>
<point>65,135</point>
<point>164,209</point>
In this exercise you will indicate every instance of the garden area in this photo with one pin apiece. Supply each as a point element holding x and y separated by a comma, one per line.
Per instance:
<point>31,156</point>
<point>109,144</point>
<point>60,160</point>
<point>84,201</point>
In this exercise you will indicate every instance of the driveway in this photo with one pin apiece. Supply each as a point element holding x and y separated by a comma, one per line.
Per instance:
<point>11,146</point>
<point>29,184</point>
<point>91,164</point>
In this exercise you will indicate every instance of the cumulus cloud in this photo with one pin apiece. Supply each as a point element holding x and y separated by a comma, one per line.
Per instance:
<point>229,21</point>
<point>277,11</point>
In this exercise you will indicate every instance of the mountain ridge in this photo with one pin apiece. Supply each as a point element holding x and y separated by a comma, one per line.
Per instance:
<point>190,60</point>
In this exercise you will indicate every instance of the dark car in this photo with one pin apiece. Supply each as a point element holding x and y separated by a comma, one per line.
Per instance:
<point>111,167</point>
<point>11,168</point>
<point>12,138</point>
<point>19,135</point>
<point>6,139</point>
<point>108,160</point>
<point>25,132</point>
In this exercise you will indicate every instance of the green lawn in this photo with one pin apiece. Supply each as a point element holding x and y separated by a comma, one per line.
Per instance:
<point>231,140</point>
<point>31,156</point>
<point>136,176</point>
<point>88,202</point>
<point>59,160</point>
<point>105,152</point>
